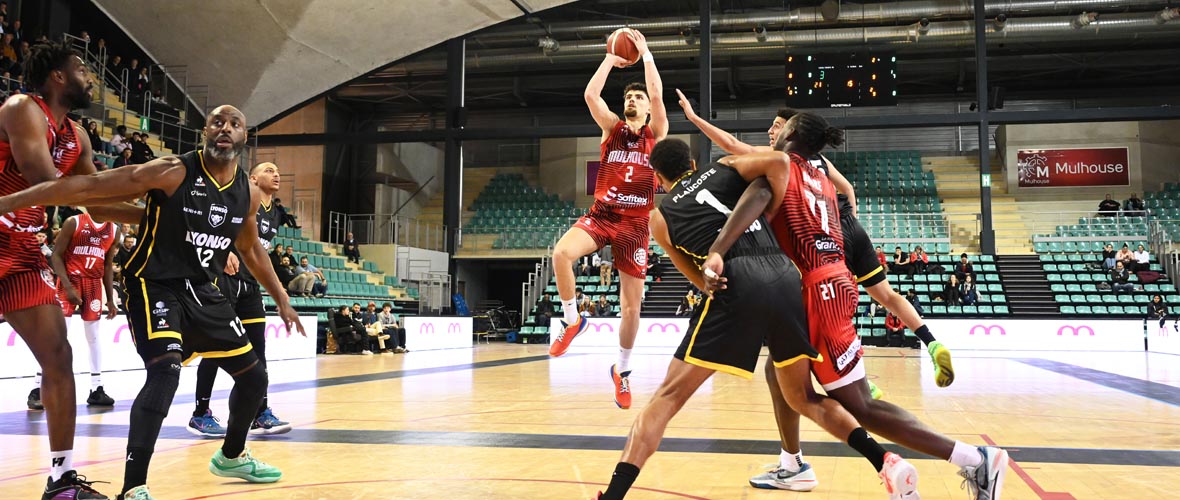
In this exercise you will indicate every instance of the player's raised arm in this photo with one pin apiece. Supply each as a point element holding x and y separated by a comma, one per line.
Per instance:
<point>603,116</point>
<point>258,262</point>
<point>165,174</point>
<point>57,260</point>
<point>655,87</point>
<point>757,198</point>
<point>841,183</point>
<point>721,138</point>
<point>108,274</point>
<point>683,263</point>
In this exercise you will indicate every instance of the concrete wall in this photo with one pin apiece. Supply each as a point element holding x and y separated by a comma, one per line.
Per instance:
<point>301,167</point>
<point>473,275</point>
<point>416,161</point>
<point>1159,146</point>
<point>385,256</point>
<point>1073,135</point>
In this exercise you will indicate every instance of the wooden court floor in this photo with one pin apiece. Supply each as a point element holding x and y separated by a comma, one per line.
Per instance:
<point>504,421</point>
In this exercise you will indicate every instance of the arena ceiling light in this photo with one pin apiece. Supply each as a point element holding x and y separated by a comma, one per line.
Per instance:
<point>1001,20</point>
<point>1167,15</point>
<point>549,44</point>
<point>760,33</point>
<point>1084,19</point>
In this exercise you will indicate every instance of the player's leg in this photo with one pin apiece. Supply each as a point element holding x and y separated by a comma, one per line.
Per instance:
<point>944,370</point>
<point>791,472</point>
<point>91,291</point>
<point>629,254</point>
<point>576,243</point>
<point>203,423</point>
<point>233,459</point>
<point>679,384</point>
<point>265,421</point>
<point>34,401</point>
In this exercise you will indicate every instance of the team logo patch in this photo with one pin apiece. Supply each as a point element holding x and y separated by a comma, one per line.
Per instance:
<point>95,305</point>
<point>265,225</point>
<point>217,214</point>
<point>160,310</point>
<point>48,278</point>
<point>640,257</point>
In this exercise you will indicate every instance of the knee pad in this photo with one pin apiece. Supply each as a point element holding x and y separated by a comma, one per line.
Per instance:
<point>162,380</point>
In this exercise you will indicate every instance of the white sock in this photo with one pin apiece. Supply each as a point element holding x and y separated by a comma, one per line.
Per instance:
<point>965,455</point>
<point>793,462</point>
<point>569,308</point>
<point>37,380</point>
<point>91,328</point>
<point>60,462</point>
<point>624,360</point>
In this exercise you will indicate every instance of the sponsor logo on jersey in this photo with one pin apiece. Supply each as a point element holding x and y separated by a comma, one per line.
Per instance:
<point>95,305</point>
<point>235,220</point>
<point>163,323</point>
<point>688,189</point>
<point>825,244</point>
<point>200,182</point>
<point>197,193</point>
<point>171,347</point>
<point>849,355</point>
<point>95,240</point>
<point>208,240</point>
<point>193,211</point>
<point>217,214</point>
<point>160,310</point>
<point>628,200</point>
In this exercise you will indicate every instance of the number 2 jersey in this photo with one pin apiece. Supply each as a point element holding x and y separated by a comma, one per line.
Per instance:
<point>189,234</point>
<point>697,208</point>
<point>626,182</point>
<point>87,253</point>
<point>807,225</point>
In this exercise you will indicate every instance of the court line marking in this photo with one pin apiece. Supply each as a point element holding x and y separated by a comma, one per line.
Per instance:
<point>1028,480</point>
<point>252,490</point>
<point>1155,391</point>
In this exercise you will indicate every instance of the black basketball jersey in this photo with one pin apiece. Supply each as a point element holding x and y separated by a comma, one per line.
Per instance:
<point>189,234</point>
<point>268,227</point>
<point>696,209</point>
<point>841,198</point>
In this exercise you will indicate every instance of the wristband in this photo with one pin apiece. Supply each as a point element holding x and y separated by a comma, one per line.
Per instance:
<point>647,57</point>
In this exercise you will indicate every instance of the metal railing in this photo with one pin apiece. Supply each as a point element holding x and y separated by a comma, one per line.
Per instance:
<point>386,229</point>
<point>1163,237</point>
<point>532,289</point>
<point>1087,225</point>
<point>906,226</point>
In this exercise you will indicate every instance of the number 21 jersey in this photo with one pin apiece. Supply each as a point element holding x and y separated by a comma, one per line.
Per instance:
<point>189,234</point>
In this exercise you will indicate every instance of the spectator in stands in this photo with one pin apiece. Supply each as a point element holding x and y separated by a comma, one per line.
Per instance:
<point>347,338</point>
<point>595,264</point>
<point>285,216</point>
<point>912,297</point>
<point>96,141</point>
<point>950,293</point>
<point>901,262</point>
<point>1119,279</point>
<point>351,250</point>
<point>320,284</point>
<point>604,272</point>
<point>689,302</point>
<point>894,331</point>
<point>1108,257</point>
<point>882,258</point>
<point>7,51</point>
<point>142,84</point>
<point>602,308</point>
<point>1108,207</point>
<point>119,141</point>
<point>919,260</point>
<point>1142,260</point>
<point>653,266</point>
<point>1125,256</point>
<point>43,242</point>
<point>358,326</point>
<point>114,73</point>
<point>356,309</point>
<point>582,268</point>
<point>392,327</point>
<point>544,310</point>
<point>288,275</point>
<point>18,33</point>
<point>290,254</point>
<point>963,268</point>
<point>124,159</point>
<point>125,251</point>
<point>1134,206</point>
<point>967,292</point>
<point>276,257</point>
<point>84,35</point>
<point>583,302</point>
<point>140,151</point>
<point>1156,310</point>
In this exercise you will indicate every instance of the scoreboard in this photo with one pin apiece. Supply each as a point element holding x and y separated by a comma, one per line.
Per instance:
<point>841,80</point>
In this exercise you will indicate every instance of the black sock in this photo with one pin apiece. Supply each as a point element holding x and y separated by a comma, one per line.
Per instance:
<point>206,375</point>
<point>265,405</point>
<point>249,388</point>
<point>620,482</point>
<point>924,333</point>
<point>864,444</point>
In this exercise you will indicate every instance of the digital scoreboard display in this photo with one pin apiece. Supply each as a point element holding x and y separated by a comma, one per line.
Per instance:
<point>841,80</point>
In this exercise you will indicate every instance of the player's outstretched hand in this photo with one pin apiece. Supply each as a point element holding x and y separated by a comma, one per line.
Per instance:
<point>231,264</point>
<point>685,104</point>
<point>615,61</point>
<point>289,317</point>
<point>713,270</point>
<point>639,40</point>
<point>112,308</point>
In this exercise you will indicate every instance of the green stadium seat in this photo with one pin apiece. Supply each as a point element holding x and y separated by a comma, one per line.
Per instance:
<point>1001,309</point>
<point>1068,310</point>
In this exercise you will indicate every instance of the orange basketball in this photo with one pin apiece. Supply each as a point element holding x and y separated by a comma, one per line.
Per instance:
<point>620,45</point>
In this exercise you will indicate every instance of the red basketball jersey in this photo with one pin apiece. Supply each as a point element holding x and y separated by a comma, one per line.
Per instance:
<point>626,182</point>
<point>86,255</point>
<point>808,222</point>
<point>19,250</point>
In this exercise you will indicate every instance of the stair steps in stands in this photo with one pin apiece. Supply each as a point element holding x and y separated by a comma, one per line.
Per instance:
<point>1026,286</point>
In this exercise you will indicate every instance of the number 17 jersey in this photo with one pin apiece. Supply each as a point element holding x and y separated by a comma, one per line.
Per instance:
<point>87,253</point>
<point>807,225</point>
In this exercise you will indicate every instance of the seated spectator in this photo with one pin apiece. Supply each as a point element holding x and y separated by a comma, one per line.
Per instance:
<point>963,268</point>
<point>1142,260</point>
<point>373,328</point>
<point>1134,206</point>
<point>1108,257</point>
<point>276,257</point>
<point>285,216</point>
<point>43,243</point>
<point>912,297</point>
<point>299,283</point>
<point>7,50</point>
<point>119,141</point>
<point>140,151</point>
<point>1125,256</point>
<point>919,260</point>
<point>653,266</point>
<point>901,262</point>
<point>392,327</point>
<point>967,292</point>
<point>582,267</point>
<point>951,295</point>
<point>1108,207</point>
<point>605,272</point>
<point>1119,278</point>
<point>290,254</point>
<point>351,250</point>
<point>544,311</point>
<point>347,338</point>
<point>583,302</point>
<point>602,308</point>
<point>359,326</point>
<point>96,142</point>
<point>689,303</point>
<point>124,159</point>
<point>595,264</point>
<point>286,273</point>
<point>894,331</point>
<point>882,259</point>
<point>1156,310</point>
<point>320,287</point>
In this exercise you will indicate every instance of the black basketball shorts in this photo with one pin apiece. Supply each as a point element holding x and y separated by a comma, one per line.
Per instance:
<point>189,318</point>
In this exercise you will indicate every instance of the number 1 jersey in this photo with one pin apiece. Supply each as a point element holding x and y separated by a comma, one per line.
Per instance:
<point>697,208</point>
